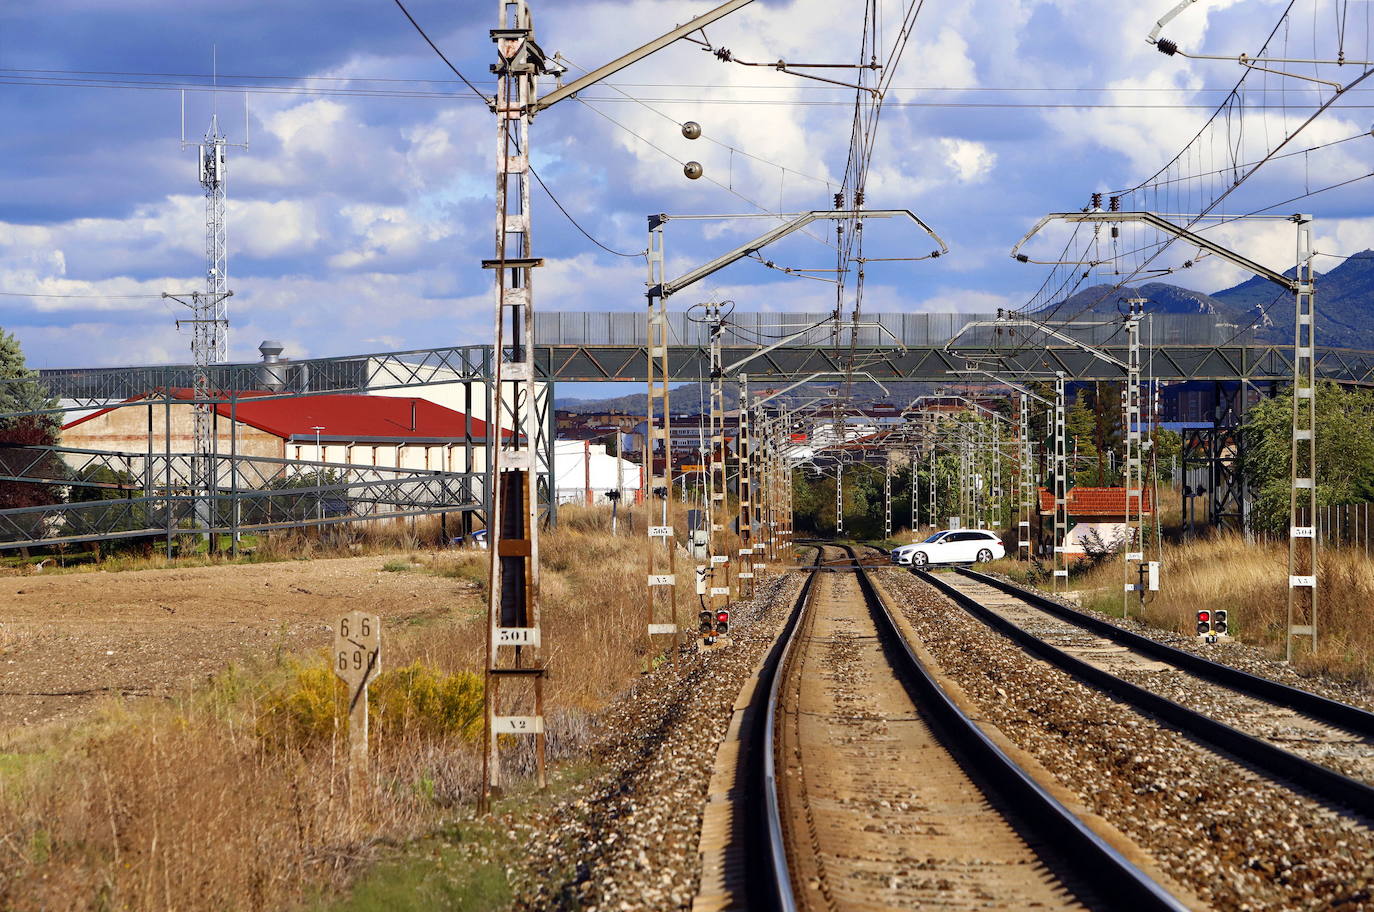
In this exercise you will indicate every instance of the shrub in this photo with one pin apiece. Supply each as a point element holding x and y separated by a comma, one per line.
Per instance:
<point>414,700</point>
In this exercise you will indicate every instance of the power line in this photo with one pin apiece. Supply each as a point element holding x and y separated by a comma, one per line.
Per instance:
<point>305,91</point>
<point>574,221</point>
<point>431,43</point>
<point>627,85</point>
<point>100,297</point>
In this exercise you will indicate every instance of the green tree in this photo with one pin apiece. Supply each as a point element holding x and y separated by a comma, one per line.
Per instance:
<point>1345,452</point>
<point>1080,428</point>
<point>1167,445</point>
<point>21,392</point>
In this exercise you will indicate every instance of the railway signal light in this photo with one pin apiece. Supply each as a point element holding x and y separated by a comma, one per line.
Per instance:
<point>722,622</point>
<point>1219,622</point>
<point>704,622</point>
<point>1204,623</point>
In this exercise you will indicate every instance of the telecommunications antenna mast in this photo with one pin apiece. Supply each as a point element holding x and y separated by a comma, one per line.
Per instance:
<point>209,309</point>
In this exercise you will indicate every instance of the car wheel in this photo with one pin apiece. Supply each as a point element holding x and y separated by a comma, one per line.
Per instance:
<point>919,559</point>
<point>984,556</point>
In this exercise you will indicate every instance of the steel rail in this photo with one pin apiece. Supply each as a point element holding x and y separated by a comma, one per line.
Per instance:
<point>1338,791</point>
<point>1086,854</point>
<point>1323,709</point>
<point>766,850</point>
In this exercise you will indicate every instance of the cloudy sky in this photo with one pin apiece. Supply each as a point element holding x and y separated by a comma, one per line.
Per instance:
<point>361,209</point>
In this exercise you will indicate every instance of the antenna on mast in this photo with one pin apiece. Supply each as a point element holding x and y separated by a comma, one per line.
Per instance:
<point>209,309</point>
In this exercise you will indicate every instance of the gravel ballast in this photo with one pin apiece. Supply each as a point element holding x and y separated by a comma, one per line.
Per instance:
<point>1240,841</point>
<point>626,839</point>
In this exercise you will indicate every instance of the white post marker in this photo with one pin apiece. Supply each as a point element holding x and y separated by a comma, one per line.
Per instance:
<point>357,661</point>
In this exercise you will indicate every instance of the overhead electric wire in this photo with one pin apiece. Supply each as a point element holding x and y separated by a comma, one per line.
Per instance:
<point>1185,171</point>
<point>306,91</point>
<point>627,85</point>
<point>436,50</point>
<point>102,297</point>
<point>537,178</point>
<point>673,120</point>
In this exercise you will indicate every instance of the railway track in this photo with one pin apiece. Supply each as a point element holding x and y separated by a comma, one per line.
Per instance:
<point>874,790</point>
<point>1318,746</point>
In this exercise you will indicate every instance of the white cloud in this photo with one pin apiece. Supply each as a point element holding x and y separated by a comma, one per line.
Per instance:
<point>970,161</point>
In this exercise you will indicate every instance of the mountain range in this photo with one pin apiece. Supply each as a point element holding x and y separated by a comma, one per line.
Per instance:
<point>1345,304</point>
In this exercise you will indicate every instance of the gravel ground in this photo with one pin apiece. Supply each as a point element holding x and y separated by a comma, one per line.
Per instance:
<point>626,839</point>
<point>1239,841</point>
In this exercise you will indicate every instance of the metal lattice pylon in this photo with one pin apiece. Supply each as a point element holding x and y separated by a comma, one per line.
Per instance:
<point>717,549</point>
<point>887,497</point>
<point>1025,482</point>
<point>744,493</point>
<point>660,607</point>
<point>514,638</point>
<point>209,319</point>
<point>1302,497</point>
<point>839,499</point>
<point>1132,476</point>
<point>1061,484</point>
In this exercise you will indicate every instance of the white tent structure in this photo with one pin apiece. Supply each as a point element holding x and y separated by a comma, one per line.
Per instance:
<point>585,472</point>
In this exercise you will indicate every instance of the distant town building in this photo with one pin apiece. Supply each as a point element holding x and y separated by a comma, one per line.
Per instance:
<point>1099,517</point>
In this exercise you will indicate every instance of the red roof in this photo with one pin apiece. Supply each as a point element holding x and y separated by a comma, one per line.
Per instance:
<point>341,416</point>
<point>1084,501</point>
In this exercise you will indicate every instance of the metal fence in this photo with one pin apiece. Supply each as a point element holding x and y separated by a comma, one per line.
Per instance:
<point>1345,525</point>
<point>141,495</point>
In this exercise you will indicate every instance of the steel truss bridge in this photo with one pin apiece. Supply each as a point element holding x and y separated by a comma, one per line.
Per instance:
<point>612,346</point>
<point>166,493</point>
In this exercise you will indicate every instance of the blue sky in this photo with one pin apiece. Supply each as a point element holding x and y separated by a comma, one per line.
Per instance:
<point>357,223</point>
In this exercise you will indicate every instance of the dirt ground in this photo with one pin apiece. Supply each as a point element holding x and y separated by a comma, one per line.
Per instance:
<point>67,640</point>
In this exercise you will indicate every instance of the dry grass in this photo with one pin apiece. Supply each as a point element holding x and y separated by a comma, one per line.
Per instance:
<point>234,796</point>
<point>1249,582</point>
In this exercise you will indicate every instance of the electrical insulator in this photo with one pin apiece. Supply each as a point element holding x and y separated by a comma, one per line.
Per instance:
<point>1204,623</point>
<point>1097,200</point>
<point>722,622</point>
<point>691,129</point>
<point>1114,203</point>
<point>1219,626</point>
<point>693,170</point>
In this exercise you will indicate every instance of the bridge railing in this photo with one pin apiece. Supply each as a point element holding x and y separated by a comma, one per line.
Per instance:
<point>881,330</point>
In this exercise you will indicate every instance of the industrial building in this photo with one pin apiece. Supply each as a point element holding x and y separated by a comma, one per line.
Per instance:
<point>383,431</point>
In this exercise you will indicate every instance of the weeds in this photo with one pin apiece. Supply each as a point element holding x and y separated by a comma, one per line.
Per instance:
<point>234,796</point>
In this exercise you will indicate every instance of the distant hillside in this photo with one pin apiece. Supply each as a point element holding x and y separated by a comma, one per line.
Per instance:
<point>695,397</point>
<point>1345,304</point>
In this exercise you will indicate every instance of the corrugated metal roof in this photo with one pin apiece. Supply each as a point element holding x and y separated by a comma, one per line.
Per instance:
<point>341,416</point>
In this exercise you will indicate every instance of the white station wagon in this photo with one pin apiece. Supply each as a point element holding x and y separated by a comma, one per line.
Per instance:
<point>951,546</point>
